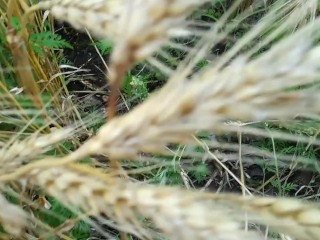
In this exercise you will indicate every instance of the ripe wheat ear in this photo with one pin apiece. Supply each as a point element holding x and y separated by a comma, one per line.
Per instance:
<point>12,218</point>
<point>137,27</point>
<point>180,214</point>
<point>259,90</point>
<point>20,152</point>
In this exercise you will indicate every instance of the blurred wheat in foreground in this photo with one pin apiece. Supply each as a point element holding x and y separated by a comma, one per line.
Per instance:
<point>270,73</point>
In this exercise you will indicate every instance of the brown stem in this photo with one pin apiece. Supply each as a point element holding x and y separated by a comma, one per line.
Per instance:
<point>118,70</point>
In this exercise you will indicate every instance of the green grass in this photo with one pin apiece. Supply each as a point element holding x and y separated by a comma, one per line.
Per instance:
<point>58,214</point>
<point>104,46</point>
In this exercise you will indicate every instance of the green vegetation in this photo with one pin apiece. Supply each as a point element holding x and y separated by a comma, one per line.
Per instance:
<point>104,46</point>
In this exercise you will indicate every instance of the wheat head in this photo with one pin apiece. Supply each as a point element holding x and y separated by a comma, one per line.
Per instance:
<point>259,90</point>
<point>181,214</point>
<point>12,218</point>
<point>19,152</point>
<point>139,26</point>
<point>246,90</point>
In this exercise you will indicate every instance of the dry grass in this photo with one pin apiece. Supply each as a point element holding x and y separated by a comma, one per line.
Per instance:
<point>280,83</point>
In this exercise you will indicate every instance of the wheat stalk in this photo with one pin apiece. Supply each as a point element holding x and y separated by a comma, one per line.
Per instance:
<point>179,213</point>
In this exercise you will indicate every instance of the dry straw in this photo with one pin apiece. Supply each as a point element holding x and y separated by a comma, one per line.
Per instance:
<point>277,84</point>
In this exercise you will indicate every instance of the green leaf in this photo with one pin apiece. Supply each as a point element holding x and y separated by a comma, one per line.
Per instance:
<point>49,40</point>
<point>200,172</point>
<point>104,46</point>
<point>16,24</point>
<point>135,87</point>
<point>3,36</point>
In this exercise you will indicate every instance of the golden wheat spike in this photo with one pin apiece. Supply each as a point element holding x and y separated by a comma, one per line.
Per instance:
<point>16,153</point>
<point>12,218</point>
<point>178,213</point>
<point>137,27</point>
<point>246,90</point>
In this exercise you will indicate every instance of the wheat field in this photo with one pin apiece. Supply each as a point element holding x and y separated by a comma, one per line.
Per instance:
<point>268,74</point>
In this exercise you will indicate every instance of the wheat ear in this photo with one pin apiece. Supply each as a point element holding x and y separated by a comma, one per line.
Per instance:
<point>247,90</point>
<point>137,27</point>
<point>141,26</point>
<point>20,152</point>
<point>179,213</point>
<point>12,218</point>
